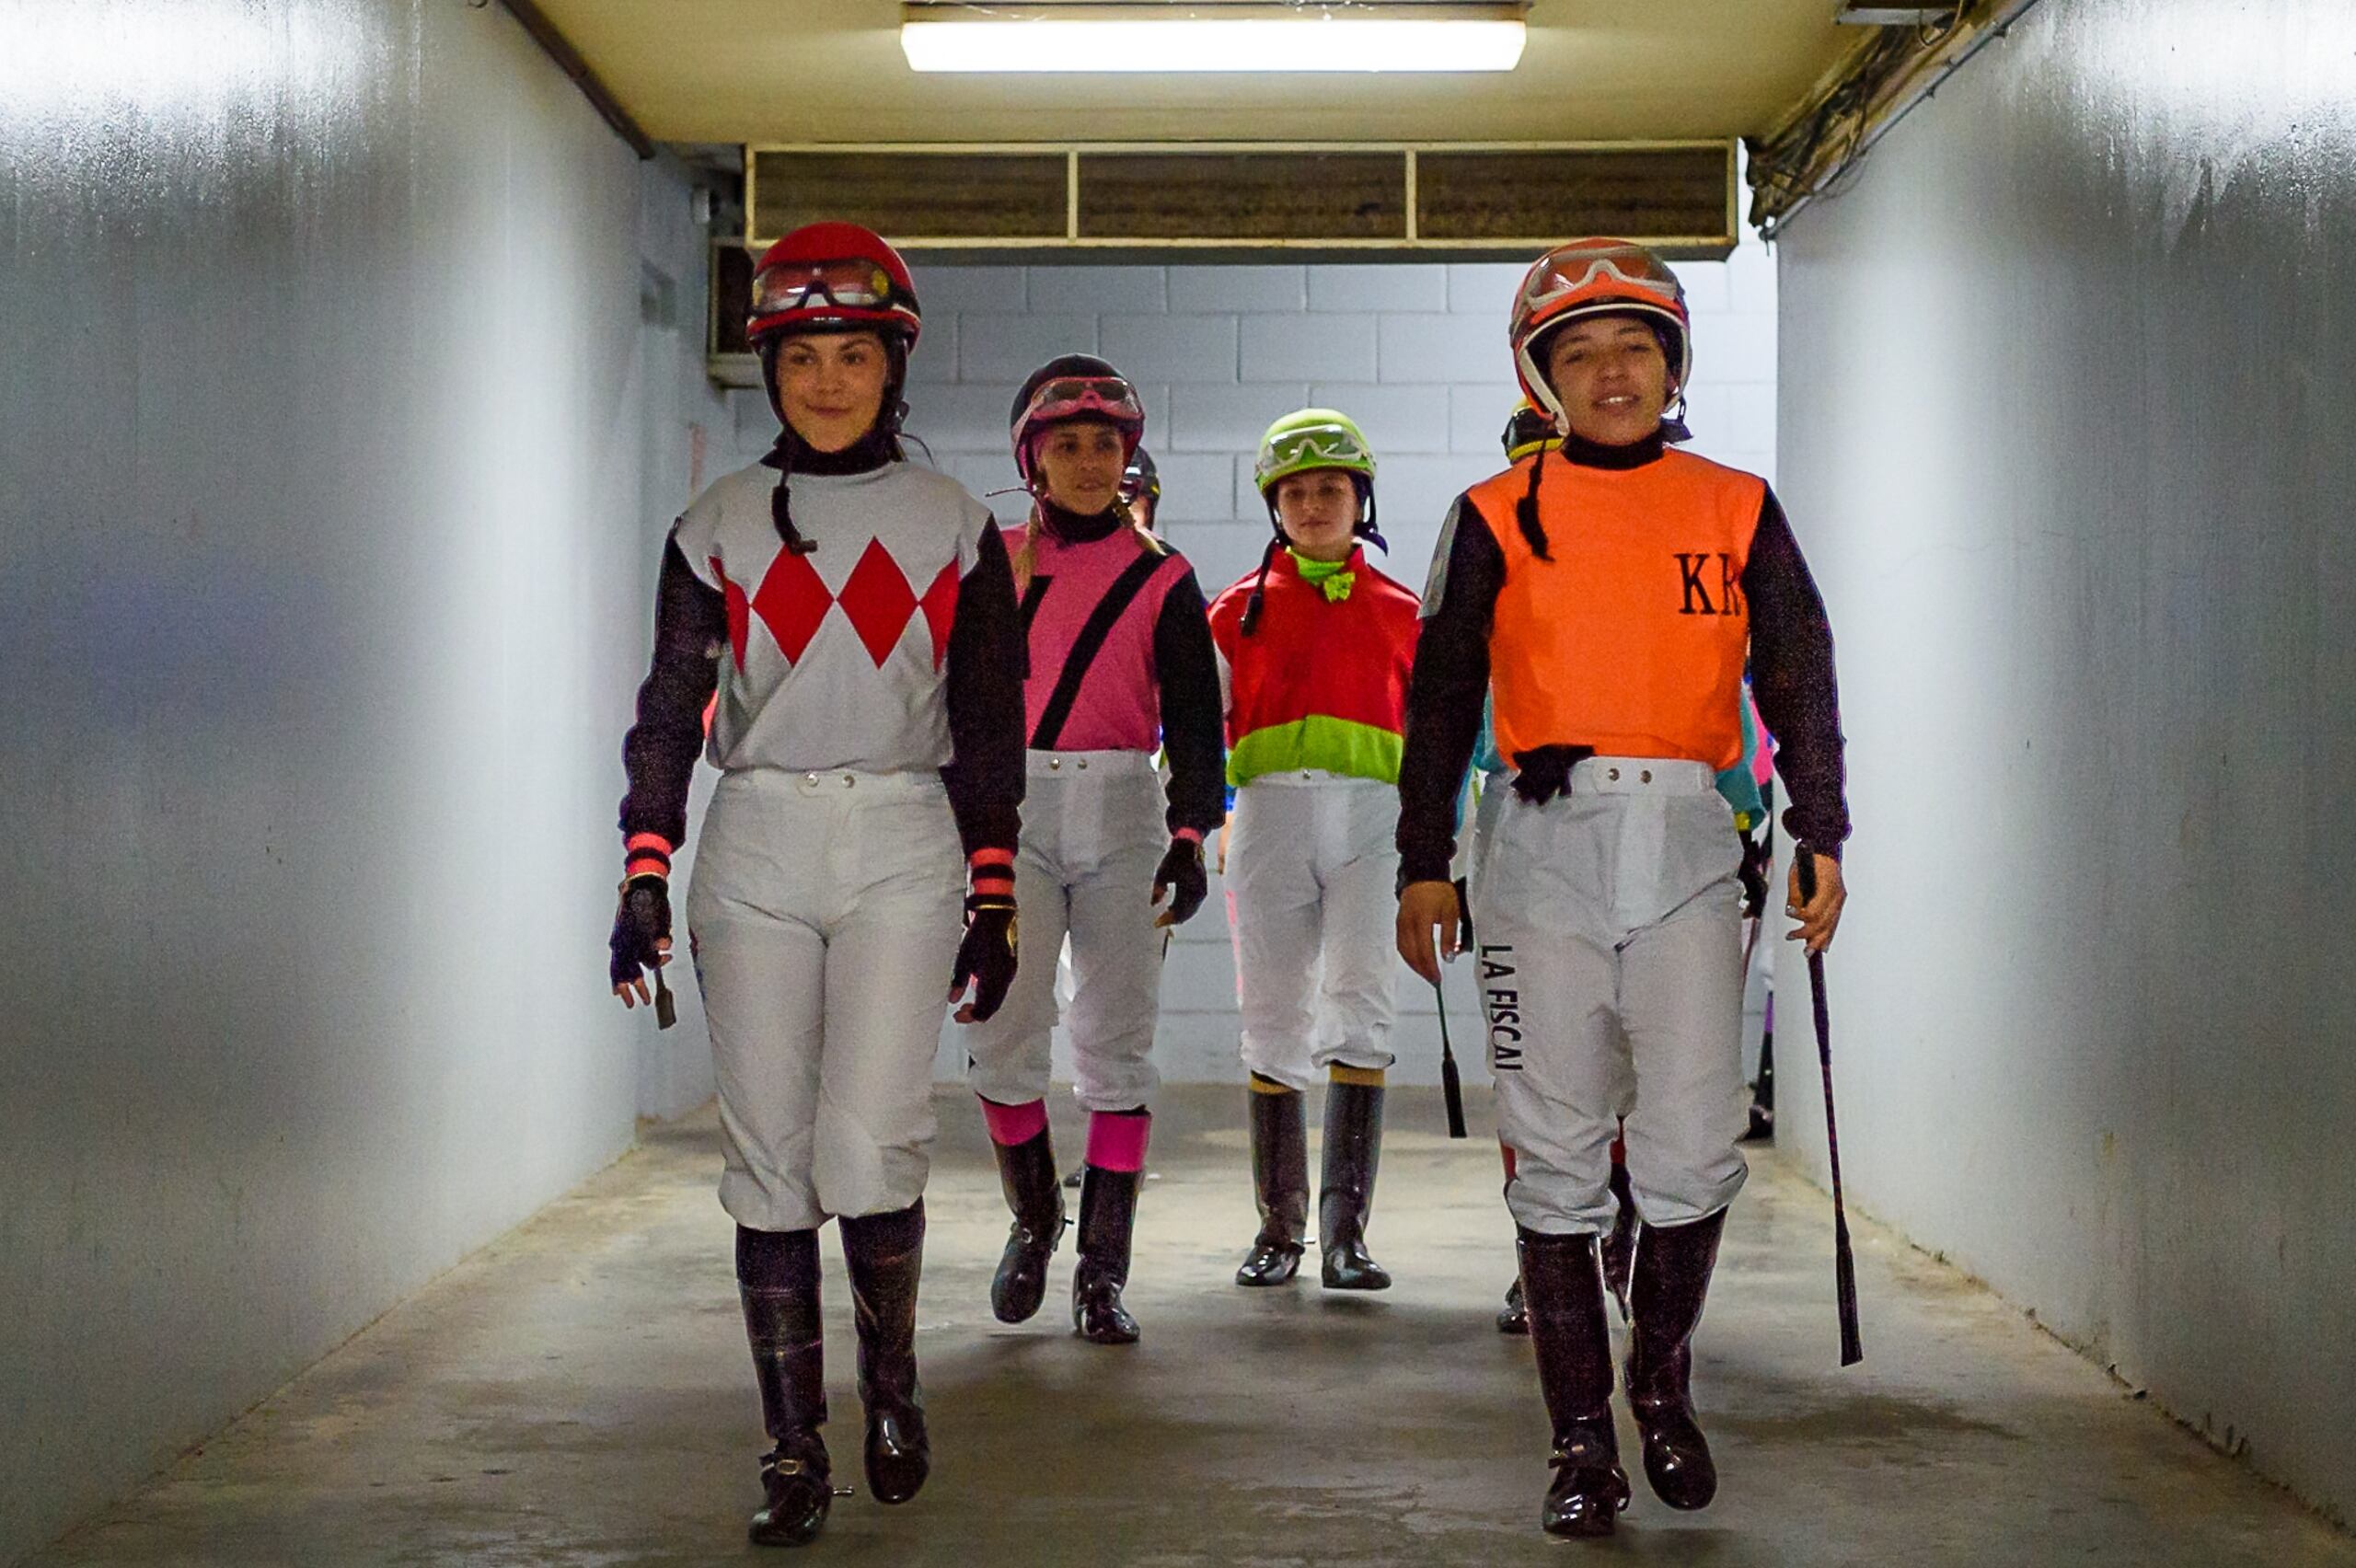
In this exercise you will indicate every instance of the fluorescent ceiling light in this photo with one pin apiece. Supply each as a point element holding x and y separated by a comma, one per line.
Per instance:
<point>1325,35</point>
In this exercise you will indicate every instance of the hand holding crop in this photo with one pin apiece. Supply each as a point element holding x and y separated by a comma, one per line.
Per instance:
<point>642,938</point>
<point>1426,907</point>
<point>1815,902</point>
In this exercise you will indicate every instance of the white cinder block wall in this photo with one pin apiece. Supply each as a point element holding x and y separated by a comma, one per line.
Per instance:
<point>1416,354</point>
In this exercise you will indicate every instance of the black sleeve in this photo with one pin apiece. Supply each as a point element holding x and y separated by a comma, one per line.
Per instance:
<point>983,675</point>
<point>1445,694</point>
<point>1193,729</point>
<point>659,753</point>
<point>1791,675</point>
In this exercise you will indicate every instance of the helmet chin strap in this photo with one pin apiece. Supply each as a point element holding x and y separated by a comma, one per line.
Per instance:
<point>1673,419</point>
<point>889,417</point>
<point>1541,391</point>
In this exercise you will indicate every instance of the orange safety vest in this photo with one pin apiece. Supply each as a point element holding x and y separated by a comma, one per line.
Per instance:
<point>1631,638</point>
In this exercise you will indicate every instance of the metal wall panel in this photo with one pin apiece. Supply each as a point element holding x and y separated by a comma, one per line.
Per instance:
<point>2069,373</point>
<point>323,588</point>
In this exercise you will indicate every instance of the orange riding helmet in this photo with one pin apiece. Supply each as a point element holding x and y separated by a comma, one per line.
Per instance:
<point>1594,277</point>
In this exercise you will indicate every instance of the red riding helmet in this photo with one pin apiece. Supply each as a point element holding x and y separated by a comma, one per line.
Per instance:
<point>1595,277</point>
<point>833,275</point>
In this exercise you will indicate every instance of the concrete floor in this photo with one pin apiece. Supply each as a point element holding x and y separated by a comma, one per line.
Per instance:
<point>578,1393</point>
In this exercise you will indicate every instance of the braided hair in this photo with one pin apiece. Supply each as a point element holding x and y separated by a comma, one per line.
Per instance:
<point>1525,510</point>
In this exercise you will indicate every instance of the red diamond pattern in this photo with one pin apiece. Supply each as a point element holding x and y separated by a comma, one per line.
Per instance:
<point>879,601</point>
<point>939,604</point>
<point>791,601</point>
<point>876,599</point>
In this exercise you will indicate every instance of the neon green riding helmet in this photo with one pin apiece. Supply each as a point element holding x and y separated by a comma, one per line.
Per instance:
<point>1312,438</point>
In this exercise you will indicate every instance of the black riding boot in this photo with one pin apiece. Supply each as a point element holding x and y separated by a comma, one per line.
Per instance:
<point>1108,1213</point>
<point>1620,1247</point>
<point>1564,1290</point>
<point>1513,1318</point>
<point>1026,1172</point>
<point>1280,1183</point>
<point>1671,1279</point>
<point>886,1252</point>
<point>777,1276</point>
<point>1345,1191</point>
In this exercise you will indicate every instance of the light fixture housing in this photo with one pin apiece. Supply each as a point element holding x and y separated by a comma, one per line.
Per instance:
<point>1169,35</point>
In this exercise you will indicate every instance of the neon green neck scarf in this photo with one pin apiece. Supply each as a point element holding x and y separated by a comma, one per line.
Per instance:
<point>1333,576</point>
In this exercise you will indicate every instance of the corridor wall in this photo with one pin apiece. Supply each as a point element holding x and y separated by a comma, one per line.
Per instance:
<point>2068,372</point>
<point>329,509</point>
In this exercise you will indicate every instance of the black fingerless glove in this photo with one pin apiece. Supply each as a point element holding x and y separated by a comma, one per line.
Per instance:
<point>643,920</point>
<point>985,958</point>
<point>1181,875</point>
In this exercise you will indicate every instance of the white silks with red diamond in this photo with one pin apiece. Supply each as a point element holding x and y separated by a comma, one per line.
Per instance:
<point>834,656</point>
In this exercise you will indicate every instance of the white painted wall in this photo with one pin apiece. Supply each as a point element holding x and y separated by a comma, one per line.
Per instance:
<point>1416,354</point>
<point>2069,377</point>
<point>334,458</point>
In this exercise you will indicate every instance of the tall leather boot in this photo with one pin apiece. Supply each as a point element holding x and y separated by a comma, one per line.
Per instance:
<point>777,1277</point>
<point>1666,1287</point>
<point>1513,1318</point>
<point>1345,1191</point>
<point>1108,1213</point>
<point>1279,1181</point>
<point>885,1253</point>
<point>1619,1246</point>
<point>1564,1292</point>
<point>1026,1173</point>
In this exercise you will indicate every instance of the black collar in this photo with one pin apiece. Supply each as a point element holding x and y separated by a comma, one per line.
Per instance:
<point>1595,454</point>
<point>869,453</point>
<point>1072,528</point>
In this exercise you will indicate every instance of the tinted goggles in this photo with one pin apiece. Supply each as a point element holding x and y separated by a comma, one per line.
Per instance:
<point>1109,395</point>
<point>851,284</point>
<point>1631,267</point>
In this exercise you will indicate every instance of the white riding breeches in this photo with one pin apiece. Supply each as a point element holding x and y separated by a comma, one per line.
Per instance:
<point>824,918</point>
<point>1312,869</point>
<point>1092,835</point>
<point>1607,926</point>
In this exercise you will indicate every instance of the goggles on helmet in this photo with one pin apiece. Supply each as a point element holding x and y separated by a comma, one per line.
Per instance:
<point>1317,447</point>
<point>1071,397</point>
<point>851,284</point>
<point>1566,272</point>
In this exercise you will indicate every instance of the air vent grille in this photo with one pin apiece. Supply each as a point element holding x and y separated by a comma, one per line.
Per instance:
<point>1225,200</point>
<point>965,196</point>
<point>1666,194</point>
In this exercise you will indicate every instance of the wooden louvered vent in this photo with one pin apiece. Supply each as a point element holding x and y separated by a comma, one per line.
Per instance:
<point>1469,200</point>
<point>1229,201</point>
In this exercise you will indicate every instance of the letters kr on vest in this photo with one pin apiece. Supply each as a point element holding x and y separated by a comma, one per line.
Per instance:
<point>1695,571</point>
